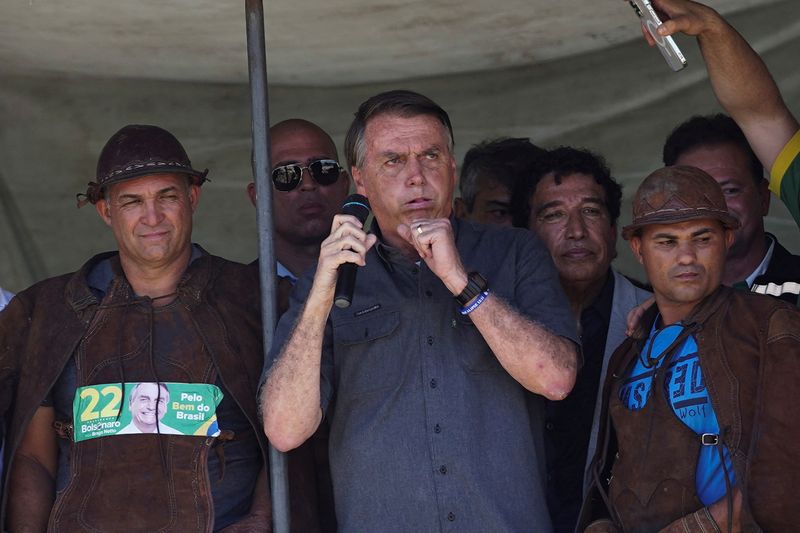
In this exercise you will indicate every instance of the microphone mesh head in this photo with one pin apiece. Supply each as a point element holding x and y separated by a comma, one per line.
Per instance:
<point>356,205</point>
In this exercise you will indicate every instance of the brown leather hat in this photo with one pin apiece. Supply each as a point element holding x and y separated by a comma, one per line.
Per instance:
<point>137,150</point>
<point>676,194</point>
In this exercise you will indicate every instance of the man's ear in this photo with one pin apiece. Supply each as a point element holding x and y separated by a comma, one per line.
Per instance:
<point>345,179</point>
<point>764,196</point>
<point>613,241</point>
<point>728,238</point>
<point>460,208</point>
<point>251,192</point>
<point>636,248</point>
<point>104,210</point>
<point>194,196</point>
<point>358,179</point>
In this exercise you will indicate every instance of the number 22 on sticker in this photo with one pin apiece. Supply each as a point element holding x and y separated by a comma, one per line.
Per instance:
<point>111,407</point>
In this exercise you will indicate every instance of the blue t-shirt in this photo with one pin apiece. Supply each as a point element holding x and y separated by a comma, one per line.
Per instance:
<point>685,390</point>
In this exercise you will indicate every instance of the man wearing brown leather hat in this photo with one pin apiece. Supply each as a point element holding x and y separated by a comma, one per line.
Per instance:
<point>698,431</point>
<point>157,314</point>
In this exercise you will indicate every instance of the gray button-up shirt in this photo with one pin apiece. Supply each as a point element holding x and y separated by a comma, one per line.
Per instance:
<point>428,431</point>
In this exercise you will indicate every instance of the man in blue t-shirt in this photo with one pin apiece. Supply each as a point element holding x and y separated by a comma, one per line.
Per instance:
<point>696,400</point>
<point>687,396</point>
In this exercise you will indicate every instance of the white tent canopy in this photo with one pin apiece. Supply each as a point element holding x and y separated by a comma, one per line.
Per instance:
<point>569,72</point>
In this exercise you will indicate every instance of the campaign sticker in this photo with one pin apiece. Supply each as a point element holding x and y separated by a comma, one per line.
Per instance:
<point>108,409</point>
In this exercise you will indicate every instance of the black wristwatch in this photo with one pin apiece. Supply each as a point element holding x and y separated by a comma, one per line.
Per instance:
<point>476,284</point>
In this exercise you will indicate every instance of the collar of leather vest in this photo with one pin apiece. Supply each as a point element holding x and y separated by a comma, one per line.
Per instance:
<point>699,315</point>
<point>80,296</point>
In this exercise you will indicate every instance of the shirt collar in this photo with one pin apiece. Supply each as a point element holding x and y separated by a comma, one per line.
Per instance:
<point>283,272</point>
<point>101,274</point>
<point>762,267</point>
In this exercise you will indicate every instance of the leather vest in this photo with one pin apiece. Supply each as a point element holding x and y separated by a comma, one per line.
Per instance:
<point>749,349</point>
<point>43,327</point>
<point>151,482</point>
<point>653,478</point>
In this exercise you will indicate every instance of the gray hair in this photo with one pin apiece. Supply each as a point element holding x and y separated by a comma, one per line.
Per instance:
<point>404,103</point>
<point>506,161</point>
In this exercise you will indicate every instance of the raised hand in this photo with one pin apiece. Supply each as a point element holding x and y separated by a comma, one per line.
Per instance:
<point>347,243</point>
<point>685,16</point>
<point>435,243</point>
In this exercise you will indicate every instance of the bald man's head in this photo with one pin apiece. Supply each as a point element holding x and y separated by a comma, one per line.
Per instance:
<point>303,215</point>
<point>301,128</point>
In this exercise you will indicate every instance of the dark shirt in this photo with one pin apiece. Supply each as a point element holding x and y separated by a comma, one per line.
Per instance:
<point>782,278</point>
<point>569,421</point>
<point>428,431</point>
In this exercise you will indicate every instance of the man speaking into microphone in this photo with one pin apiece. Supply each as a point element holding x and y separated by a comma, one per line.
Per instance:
<point>426,378</point>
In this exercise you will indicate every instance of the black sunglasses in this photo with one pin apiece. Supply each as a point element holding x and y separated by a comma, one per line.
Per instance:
<point>324,171</point>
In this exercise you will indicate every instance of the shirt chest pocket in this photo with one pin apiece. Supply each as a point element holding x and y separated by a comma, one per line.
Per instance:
<point>368,354</point>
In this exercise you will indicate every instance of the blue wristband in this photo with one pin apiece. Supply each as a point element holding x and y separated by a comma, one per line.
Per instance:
<point>474,305</point>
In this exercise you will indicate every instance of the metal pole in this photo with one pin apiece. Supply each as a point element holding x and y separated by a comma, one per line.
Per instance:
<point>259,112</point>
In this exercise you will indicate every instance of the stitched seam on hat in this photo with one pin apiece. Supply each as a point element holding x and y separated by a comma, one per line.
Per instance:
<point>145,165</point>
<point>678,210</point>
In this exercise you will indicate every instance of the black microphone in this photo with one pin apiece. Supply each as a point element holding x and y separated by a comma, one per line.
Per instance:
<point>358,206</point>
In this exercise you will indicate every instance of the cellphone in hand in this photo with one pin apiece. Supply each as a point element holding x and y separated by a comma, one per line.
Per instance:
<point>666,45</point>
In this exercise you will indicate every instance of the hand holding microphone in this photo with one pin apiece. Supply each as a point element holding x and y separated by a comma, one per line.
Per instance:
<point>357,206</point>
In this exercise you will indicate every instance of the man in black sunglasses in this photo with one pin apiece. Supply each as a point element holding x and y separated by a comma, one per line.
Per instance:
<point>309,187</point>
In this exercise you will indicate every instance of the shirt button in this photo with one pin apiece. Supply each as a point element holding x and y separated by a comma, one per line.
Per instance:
<point>415,270</point>
<point>430,341</point>
<point>433,383</point>
<point>549,426</point>
<point>437,428</point>
<point>443,470</point>
<point>428,293</point>
<point>451,516</point>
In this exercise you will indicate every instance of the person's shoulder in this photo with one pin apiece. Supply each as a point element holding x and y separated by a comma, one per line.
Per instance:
<point>760,307</point>
<point>128,430</point>
<point>77,278</point>
<point>775,319</point>
<point>168,430</point>
<point>472,233</point>
<point>231,274</point>
<point>231,285</point>
<point>227,264</point>
<point>784,260</point>
<point>53,287</point>
<point>46,303</point>
<point>629,288</point>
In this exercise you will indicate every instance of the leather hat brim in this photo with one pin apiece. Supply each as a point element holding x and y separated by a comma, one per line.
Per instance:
<point>674,216</point>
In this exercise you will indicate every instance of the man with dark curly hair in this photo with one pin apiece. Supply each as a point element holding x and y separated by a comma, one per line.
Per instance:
<point>572,203</point>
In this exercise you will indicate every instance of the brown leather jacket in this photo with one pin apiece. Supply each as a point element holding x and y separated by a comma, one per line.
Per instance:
<point>43,325</point>
<point>749,350</point>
